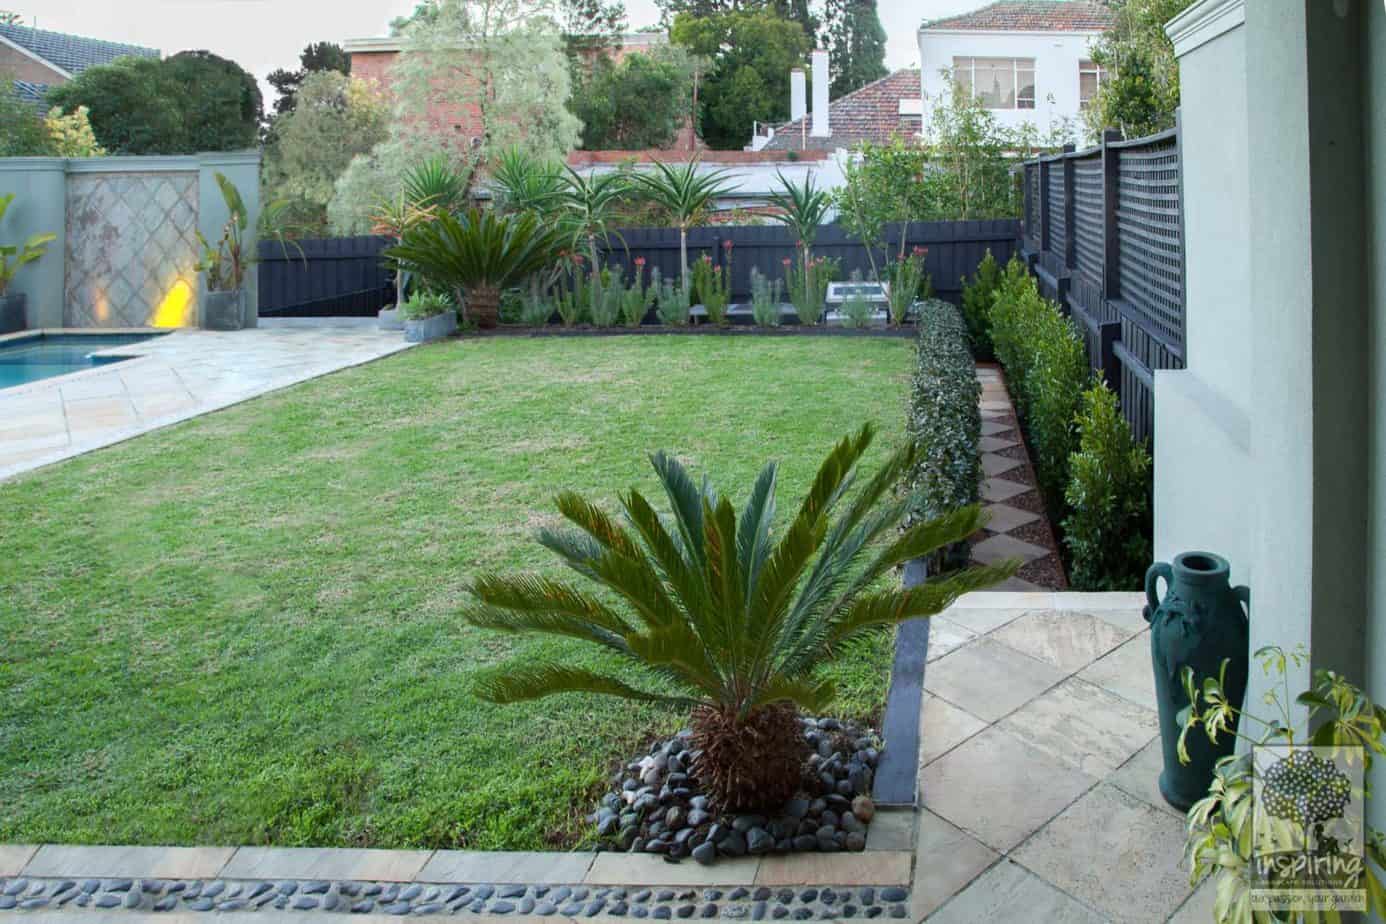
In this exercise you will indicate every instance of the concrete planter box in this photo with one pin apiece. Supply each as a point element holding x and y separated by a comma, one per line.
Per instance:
<point>13,313</point>
<point>223,311</point>
<point>434,328</point>
<point>389,319</point>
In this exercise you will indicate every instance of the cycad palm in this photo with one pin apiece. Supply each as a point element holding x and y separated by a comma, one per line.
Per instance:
<point>686,194</point>
<point>730,617</point>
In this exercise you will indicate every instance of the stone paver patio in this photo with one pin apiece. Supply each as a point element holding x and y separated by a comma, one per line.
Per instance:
<point>174,377</point>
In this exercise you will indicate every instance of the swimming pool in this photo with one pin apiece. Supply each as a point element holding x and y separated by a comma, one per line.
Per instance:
<point>42,356</point>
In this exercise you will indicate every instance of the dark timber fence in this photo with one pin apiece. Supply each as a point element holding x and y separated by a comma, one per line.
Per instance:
<point>1104,233</point>
<point>344,276</point>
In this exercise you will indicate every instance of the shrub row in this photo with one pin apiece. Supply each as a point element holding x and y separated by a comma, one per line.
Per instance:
<point>1094,476</point>
<point>945,419</point>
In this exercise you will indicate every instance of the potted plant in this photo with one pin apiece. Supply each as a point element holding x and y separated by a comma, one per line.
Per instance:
<point>13,314</point>
<point>428,316</point>
<point>475,255</point>
<point>224,266</point>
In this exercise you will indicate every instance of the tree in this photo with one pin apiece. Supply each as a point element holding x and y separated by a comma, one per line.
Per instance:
<point>71,135</point>
<point>687,196</point>
<point>968,175</point>
<point>24,134</point>
<point>193,101</point>
<point>750,55</point>
<point>642,102</point>
<point>728,616</point>
<point>335,118</point>
<point>796,10</point>
<point>315,58</point>
<point>1141,89</point>
<point>221,104</point>
<point>10,18</point>
<point>857,43</point>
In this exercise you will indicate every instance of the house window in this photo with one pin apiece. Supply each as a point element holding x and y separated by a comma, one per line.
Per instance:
<point>1090,78</point>
<point>998,83</point>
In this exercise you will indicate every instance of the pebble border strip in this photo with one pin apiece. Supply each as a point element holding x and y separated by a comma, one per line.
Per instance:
<point>394,898</point>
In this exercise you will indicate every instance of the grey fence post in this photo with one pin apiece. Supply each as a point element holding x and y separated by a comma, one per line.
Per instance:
<point>1070,238</point>
<point>1044,205</point>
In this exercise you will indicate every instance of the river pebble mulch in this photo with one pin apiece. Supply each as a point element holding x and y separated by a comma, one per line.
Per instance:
<point>754,903</point>
<point>657,806</point>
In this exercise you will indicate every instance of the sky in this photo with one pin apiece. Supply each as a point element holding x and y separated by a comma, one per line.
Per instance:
<point>262,35</point>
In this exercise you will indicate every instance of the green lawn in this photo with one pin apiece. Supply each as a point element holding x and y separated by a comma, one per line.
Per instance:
<point>244,629</point>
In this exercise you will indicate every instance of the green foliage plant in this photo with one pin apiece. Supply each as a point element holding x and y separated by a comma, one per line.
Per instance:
<point>908,280</point>
<point>802,208</point>
<point>1223,827</point>
<point>672,306</point>
<point>422,305</point>
<point>227,262</point>
<point>1140,90</point>
<point>712,285</point>
<point>945,418</point>
<point>978,294</point>
<point>637,298</point>
<point>856,311</point>
<point>475,255</point>
<point>638,103</point>
<point>765,299</point>
<point>807,283</point>
<point>723,614</point>
<point>606,300</point>
<point>1107,530</point>
<point>14,256</point>
<point>687,194</point>
<point>535,310</point>
<point>25,134</point>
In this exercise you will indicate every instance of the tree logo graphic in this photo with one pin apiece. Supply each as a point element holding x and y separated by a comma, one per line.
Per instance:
<point>1306,790</point>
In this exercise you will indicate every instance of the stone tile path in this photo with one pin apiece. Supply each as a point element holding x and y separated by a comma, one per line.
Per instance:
<point>1038,769</point>
<point>175,377</point>
<point>1017,529</point>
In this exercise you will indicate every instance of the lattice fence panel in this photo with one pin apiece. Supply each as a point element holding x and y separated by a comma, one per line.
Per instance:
<point>1058,228</point>
<point>1087,218</point>
<point>1032,207</point>
<point>1150,237</point>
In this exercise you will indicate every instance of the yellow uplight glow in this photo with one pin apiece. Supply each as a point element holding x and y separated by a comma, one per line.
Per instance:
<point>173,310</point>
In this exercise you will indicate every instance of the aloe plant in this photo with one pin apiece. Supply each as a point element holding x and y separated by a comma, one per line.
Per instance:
<point>14,256</point>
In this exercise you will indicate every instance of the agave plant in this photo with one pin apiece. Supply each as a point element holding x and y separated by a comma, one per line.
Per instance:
<point>523,183</point>
<point>686,194</point>
<point>435,183</point>
<point>476,255</point>
<point>724,614</point>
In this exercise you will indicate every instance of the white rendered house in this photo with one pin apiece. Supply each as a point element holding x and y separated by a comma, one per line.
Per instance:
<point>1029,61</point>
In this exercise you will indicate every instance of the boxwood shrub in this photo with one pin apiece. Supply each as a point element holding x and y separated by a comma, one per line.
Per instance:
<point>978,295</point>
<point>1046,369</point>
<point>945,418</point>
<point>1107,530</point>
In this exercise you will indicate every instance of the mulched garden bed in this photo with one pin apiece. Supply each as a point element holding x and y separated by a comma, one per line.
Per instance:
<point>700,330</point>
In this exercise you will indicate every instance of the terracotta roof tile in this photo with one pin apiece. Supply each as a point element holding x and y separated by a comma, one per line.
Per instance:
<point>871,113</point>
<point>1032,16</point>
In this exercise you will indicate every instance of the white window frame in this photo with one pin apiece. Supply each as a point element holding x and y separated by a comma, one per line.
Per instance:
<point>1088,67</point>
<point>1017,66</point>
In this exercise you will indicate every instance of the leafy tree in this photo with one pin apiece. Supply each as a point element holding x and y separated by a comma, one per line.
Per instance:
<point>221,107</point>
<point>24,134</point>
<point>193,101</point>
<point>335,119</point>
<point>969,169</point>
<point>591,26</point>
<point>71,135</point>
<point>750,55</point>
<point>796,10</point>
<point>885,184</point>
<point>728,616</point>
<point>315,58</point>
<point>641,102</point>
<point>857,42</point>
<point>1141,90</point>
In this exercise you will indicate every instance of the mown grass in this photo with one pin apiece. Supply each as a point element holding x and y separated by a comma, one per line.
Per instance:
<point>244,629</point>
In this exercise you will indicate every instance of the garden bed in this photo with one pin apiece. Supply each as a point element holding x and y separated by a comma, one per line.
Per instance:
<point>243,630</point>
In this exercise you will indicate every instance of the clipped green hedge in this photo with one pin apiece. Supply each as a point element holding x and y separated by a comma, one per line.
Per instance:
<point>1046,369</point>
<point>978,295</point>
<point>1108,528</point>
<point>945,417</point>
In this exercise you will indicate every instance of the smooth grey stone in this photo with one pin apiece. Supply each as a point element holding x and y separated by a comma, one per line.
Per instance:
<point>808,895</point>
<point>526,905</point>
<point>29,904</point>
<point>329,901</point>
<point>316,887</point>
<point>201,904</point>
<point>796,808</point>
<point>594,908</point>
<point>709,910</point>
<point>818,806</point>
<point>580,894</point>
<point>874,911</point>
<point>802,914</point>
<point>545,909</point>
<point>132,898</point>
<point>389,893</point>
<point>502,907</point>
<point>744,823</point>
<point>642,896</point>
<point>894,894</point>
<point>705,853</point>
<point>849,911</point>
<point>698,817</point>
<point>411,892</point>
<point>898,911</point>
<point>759,841</point>
<point>119,885</point>
<point>618,910</point>
<point>699,802</point>
<point>260,888</point>
<point>167,903</point>
<point>152,886</point>
<point>867,896</point>
<point>805,842</point>
<point>234,904</point>
<point>779,912</point>
<point>662,913</point>
<point>8,901</point>
<point>14,887</point>
<point>608,825</point>
<point>758,911</point>
<point>827,896</point>
<point>856,842</point>
<point>429,908</point>
<point>305,903</point>
<point>640,911</point>
<point>362,906</point>
<point>288,888</point>
<point>511,891</point>
<point>397,908</point>
<point>572,909</point>
<point>686,911</point>
<point>733,845</point>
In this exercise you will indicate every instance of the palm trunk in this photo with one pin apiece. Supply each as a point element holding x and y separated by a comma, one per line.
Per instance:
<point>483,306</point>
<point>683,258</point>
<point>596,271</point>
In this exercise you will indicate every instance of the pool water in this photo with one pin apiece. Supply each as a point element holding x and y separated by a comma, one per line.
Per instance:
<point>43,356</point>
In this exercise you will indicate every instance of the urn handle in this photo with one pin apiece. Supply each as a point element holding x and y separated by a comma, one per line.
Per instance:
<point>1244,594</point>
<point>1161,569</point>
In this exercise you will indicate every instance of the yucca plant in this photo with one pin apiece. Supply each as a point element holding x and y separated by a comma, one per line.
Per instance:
<point>477,254</point>
<point>802,209</point>
<point>522,182</point>
<point>686,195</point>
<point>436,182</point>
<point>726,614</point>
<point>586,206</point>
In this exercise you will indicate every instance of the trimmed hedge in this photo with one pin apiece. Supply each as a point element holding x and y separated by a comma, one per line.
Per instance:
<point>1108,529</point>
<point>978,295</point>
<point>945,417</point>
<point>1046,368</point>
